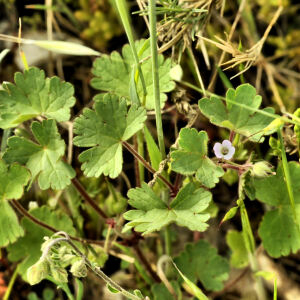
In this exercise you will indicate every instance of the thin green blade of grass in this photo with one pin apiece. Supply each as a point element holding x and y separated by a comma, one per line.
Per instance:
<point>288,182</point>
<point>123,12</point>
<point>194,288</point>
<point>225,80</point>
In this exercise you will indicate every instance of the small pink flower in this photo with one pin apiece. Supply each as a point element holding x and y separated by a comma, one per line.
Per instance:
<point>224,150</point>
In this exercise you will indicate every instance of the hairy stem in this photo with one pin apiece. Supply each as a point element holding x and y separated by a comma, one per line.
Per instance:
<point>95,269</point>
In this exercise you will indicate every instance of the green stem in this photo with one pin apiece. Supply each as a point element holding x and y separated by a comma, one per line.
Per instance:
<point>287,176</point>
<point>98,271</point>
<point>250,245</point>
<point>11,284</point>
<point>123,12</point>
<point>5,136</point>
<point>168,248</point>
<point>167,234</point>
<point>155,76</point>
<point>247,230</point>
<point>63,286</point>
<point>79,289</point>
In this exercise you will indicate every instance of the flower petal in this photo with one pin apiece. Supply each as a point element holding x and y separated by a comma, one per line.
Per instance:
<point>217,150</point>
<point>231,151</point>
<point>226,144</point>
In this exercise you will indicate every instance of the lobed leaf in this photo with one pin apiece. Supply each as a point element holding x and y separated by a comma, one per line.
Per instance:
<point>34,95</point>
<point>192,158</point>
<point>234,117</point>
<point>43,159</point>
<point>113,74</point>
<point>12,181</point>
<point>278,229</point>
<point>151,214</point>
<point>104,129</point>
<point>201,262</point>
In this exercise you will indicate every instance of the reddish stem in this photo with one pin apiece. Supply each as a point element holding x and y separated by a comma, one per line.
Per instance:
<point>26,214</point>
<point>145,262</point>
<point>136,165</point>
<point>147,166</point>
<point>88,199</point>
<point>231,136</point>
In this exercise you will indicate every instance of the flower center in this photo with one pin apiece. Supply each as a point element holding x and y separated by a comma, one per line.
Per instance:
<point>224,150</point>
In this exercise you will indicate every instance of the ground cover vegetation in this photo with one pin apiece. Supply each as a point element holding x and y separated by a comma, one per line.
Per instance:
<point>150,149</point>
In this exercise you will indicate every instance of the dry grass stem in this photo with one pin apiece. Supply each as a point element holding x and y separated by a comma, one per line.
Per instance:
<point>250,56</point>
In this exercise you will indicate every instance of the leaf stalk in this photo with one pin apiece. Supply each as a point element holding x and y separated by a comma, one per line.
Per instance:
<point>147,165</point>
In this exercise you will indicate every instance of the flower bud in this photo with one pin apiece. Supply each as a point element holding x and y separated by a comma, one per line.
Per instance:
<point>262,169</point>
<point>59,274</point>
<point>79,269</point>
<point>38,272</point>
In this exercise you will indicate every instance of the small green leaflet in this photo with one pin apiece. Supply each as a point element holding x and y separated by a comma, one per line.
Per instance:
<point>12,181</point>
<point>151,213</point>
<point>28,248</point>
<point>239,256</point>
<point>192,158</point>
<point>104,129</point>
<point>236,118</point>
<point>201,262</point>
<point>44,159</point>
<point>280,235</point>
<point>113,74</point>
<point>34,95</point>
